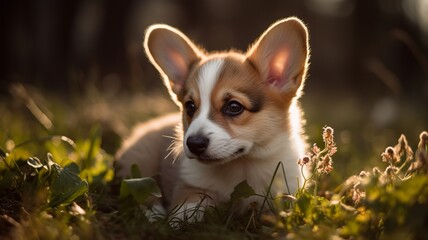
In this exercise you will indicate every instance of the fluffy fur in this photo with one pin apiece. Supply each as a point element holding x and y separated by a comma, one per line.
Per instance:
<point>239,117</point>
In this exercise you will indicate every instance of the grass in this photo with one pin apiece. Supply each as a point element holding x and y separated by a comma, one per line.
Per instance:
<point>57,181</point>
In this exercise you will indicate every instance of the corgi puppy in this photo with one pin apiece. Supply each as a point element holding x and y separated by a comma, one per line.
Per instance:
<point>239,118</point>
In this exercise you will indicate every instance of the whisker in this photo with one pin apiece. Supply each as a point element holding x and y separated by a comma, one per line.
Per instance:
<point>170,150</point>
<point>171,137</point>
<point>174,148</point>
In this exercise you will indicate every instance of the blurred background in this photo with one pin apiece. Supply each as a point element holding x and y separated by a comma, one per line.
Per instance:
<point>67,65</point>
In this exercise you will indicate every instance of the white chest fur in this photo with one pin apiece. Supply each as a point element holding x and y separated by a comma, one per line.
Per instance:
<point>258,170</point>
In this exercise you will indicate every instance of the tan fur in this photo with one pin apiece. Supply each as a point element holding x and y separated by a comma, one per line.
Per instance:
<point>147,147</point>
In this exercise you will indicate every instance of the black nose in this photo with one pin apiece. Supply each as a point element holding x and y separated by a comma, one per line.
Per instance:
<point>197,144</point>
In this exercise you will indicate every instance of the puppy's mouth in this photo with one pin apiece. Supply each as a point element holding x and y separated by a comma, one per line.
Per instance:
<point>207,159</point>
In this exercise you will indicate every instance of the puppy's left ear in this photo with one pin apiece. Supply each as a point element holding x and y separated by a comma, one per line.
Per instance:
<point>281,55</point>
<point>172,53</point>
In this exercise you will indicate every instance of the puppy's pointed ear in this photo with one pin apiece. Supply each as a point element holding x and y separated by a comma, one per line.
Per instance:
<point>172,53</point>
<point>281,55</point>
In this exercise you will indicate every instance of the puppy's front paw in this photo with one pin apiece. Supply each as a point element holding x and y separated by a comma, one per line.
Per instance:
<point>156,213</point>
<point>188,212</point>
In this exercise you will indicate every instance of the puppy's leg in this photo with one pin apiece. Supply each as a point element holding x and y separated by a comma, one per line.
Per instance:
<point>189,204</point>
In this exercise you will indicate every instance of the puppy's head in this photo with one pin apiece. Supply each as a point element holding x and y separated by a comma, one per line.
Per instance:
<point>233,104</point>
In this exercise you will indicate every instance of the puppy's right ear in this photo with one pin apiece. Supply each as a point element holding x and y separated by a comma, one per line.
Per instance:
<point>172,53</point>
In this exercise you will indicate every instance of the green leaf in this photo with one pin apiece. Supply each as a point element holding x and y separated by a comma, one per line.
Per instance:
<point>140,188</point>
<point>67,186</point>
<point>241,191</point>
<point>94,147</point>
<point>304,202</point>
<point>58,150</point>
<point>96,165</point>
<point>411,189</point>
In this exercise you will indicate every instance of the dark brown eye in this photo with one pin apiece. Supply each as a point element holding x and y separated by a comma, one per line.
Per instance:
<point>233,109</point>
<point>190,108</point>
